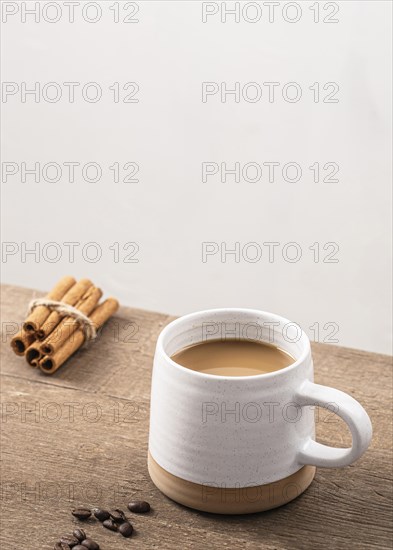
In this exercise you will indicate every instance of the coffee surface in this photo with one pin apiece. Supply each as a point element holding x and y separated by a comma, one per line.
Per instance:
<point>233,358</point>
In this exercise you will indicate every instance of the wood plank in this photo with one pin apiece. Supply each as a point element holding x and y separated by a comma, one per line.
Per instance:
<point>53,460</point>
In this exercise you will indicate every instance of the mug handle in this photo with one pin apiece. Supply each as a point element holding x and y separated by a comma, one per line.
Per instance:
<point>317,454</point>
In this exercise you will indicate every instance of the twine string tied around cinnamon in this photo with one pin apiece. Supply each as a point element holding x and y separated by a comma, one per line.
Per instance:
<point>65,310</point>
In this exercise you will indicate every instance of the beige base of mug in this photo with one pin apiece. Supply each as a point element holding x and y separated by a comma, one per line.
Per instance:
<point>240,500</point>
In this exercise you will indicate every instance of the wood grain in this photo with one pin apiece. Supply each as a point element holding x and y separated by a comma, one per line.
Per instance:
<point>80,437</point>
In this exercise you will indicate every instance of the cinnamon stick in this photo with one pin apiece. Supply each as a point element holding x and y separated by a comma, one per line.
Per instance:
<point>21,341</point>
<point>71,297</point>
<point>50,364</point>
<point>41,313</point>
<point>68,325</point>
<point>33,353</point>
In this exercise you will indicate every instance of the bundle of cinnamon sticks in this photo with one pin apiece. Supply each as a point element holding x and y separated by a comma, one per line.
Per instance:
<point>48,337</point>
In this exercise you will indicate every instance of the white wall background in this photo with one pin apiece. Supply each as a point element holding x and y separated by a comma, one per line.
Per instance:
<point>170,132</point>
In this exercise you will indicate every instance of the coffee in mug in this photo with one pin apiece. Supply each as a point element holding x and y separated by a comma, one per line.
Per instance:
<point>233,357</point>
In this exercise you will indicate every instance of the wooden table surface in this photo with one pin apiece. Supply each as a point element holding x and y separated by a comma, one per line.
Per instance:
<point>80,437</point>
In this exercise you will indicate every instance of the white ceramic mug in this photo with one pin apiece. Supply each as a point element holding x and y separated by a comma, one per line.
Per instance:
<point>238,444</point>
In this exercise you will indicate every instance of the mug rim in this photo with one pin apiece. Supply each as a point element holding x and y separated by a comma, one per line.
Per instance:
<point>305,341</point>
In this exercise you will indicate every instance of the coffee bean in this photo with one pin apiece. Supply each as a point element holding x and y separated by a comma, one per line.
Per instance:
<point>62,546</point>
<point>90,544</point>
<point>81,513</point>
<point>79,534</point>
<point>126,529</point>
<point>110,524</point>
<point>79,547</point>
<point>139,506</point>
<point>70,540</point>
<point>118,516</point>
<point>101,515</point>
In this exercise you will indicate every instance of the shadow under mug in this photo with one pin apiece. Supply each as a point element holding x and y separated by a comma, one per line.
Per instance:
<point>241,444</point>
